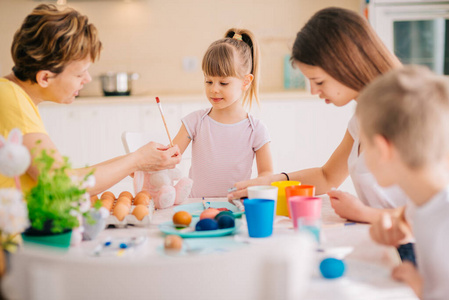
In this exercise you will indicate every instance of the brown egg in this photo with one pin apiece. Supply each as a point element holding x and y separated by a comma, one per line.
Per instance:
<point>140,211</point>
<point>126,194</point>
<point>124,200</point>
<point>107,195</point>
<point>93,199</point>
<point>107,203</point>
<point>141,199</point>
<point>182,219</point>
<point>173,243</point>
<point>120,211</point>
<point>144,192</point>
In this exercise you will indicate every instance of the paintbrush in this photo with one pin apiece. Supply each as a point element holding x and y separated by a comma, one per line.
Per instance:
<point>163,119</point>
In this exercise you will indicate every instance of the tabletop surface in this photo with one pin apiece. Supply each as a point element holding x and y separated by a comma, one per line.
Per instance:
<point>368,265</point>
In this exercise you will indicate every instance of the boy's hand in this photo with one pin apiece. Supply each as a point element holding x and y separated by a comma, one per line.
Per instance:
<point>407,273</point>
<point>391,230</point>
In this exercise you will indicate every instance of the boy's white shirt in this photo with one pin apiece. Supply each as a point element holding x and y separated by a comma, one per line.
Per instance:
<point>430,224</point>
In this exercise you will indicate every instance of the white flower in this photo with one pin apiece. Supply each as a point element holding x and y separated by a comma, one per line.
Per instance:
<point>74,212</point>
<point>85,203</point>
<point>89,182</point>
<point>13,211</point>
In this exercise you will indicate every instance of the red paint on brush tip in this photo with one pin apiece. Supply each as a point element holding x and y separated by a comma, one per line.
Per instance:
<point>157,100</point>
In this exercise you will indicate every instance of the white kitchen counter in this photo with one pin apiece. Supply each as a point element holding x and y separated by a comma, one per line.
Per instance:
<point>298,95</point>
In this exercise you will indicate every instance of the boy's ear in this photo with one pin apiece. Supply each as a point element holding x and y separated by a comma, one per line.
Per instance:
<point>384,146</point>
<point>43,77</point>
<point>247,81</point>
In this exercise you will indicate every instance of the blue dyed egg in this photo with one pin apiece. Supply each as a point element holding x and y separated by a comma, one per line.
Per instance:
<point>332,268</point>
<point>206,224</point>
<point>224,213</point>
<point>226,221</point>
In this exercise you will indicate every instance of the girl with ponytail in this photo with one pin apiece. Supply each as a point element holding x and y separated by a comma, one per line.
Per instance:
<point>225,137</point>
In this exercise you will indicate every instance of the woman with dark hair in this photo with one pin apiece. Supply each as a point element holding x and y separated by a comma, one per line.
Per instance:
<point>52,52</point>
<point>339,52</point>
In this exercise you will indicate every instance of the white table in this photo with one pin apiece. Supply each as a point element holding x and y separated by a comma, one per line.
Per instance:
<point>284,266</point>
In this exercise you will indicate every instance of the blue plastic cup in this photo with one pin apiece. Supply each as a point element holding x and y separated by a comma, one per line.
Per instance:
<point>259,217</point>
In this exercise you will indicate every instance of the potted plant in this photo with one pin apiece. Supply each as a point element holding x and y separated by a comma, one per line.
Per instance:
<point>57,204</point>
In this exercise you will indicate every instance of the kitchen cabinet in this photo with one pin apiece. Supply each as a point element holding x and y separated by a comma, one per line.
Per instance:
<point>304,130</point>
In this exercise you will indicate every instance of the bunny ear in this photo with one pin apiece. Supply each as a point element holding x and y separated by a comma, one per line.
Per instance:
<point>15,136</point>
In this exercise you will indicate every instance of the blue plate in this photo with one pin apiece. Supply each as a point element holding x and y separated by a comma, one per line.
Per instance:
<point>189,232</point>
<point>195,209</point>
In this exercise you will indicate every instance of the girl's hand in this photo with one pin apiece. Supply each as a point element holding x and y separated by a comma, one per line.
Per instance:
<point>391,230</point>
<point>156,157</point>
<point>347,206</point>
<point>241,186</point>
<point>407,273</point>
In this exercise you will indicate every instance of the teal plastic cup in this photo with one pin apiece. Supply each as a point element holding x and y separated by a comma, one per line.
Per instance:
<point>259,217</point>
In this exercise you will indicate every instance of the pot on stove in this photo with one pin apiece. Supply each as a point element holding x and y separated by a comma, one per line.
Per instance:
<point>117,83</point>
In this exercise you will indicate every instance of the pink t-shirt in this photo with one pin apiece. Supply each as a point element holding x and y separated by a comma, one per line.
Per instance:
<point>222,154</point>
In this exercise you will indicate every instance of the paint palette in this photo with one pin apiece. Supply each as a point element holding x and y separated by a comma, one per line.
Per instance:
<point>195,209</point>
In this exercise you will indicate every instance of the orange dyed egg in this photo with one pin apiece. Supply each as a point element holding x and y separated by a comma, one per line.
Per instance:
<point>209,213</point>
<point>173,243</point>
<point>140,211</point>
<point>182,219</point>
<point>141,199</point>
<point>120,211</point>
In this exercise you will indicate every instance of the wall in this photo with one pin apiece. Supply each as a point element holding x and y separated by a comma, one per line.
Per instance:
<point>151,37</point>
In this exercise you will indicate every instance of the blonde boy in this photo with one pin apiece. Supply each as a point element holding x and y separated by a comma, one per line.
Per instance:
<point>404,121</point>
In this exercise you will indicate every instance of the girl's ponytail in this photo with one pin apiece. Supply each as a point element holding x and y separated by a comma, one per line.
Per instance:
<point>248,38</point>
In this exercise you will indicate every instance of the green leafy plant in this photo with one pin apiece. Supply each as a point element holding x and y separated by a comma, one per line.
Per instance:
<point>56,201</point>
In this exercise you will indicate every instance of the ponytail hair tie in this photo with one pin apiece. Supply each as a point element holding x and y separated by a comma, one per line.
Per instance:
<point>237,37</point>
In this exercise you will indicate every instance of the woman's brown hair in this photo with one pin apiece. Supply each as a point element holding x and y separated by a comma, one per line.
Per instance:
<point>49,39</point>
<point>220,59</point>
<point>345,46</point>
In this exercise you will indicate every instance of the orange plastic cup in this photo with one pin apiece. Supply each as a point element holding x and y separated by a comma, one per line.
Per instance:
<point>298,190</point>
<point>282,205</point>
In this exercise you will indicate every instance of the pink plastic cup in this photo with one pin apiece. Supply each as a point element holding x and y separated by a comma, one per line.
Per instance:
<point>298,190</point>
<point>301,206</point>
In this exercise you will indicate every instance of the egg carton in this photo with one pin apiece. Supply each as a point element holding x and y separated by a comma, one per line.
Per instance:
<point>130,219</point>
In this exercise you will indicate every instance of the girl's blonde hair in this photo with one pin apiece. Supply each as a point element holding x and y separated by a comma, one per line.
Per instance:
<point>410,108</point>
<point>236,55</point>
<point>345,46</point>
<point>49,39</point>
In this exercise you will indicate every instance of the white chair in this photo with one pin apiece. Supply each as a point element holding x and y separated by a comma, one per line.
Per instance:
<point>134,140</point>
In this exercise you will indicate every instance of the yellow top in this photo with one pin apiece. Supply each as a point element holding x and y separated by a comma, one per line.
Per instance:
<point>17,110</point>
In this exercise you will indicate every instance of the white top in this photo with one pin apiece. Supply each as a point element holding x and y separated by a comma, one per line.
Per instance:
<point>431,229</point>
<point>222,154</point>
<point>368,191</point>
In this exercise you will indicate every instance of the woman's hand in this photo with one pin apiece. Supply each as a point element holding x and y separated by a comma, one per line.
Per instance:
<point>156,157</point>
<point>407,273</point>
<point>347,206</point>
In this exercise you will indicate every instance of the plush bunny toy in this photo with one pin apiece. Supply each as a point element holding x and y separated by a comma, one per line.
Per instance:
<point>161,186</point>
<point>14,157</point>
